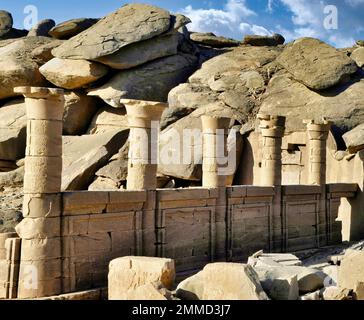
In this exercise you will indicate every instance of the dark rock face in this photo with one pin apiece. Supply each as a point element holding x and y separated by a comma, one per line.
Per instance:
<point>261,41</point>
<point>71,28</point>
<point>211,40</point>
<point>6,22</point>
<point>42,28</point>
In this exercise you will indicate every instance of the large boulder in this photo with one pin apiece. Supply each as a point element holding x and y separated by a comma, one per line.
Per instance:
<point>129,24</point>
<point>316,64</point>
<point>84,155</point>
<point>354,139</point>
<point>6,22</point>
<point>14,34</point>
<point>260,41</point>
<point>225,281</point>
<point>358,56</point>
<point>235,80</point>
<point>151,81</point>
<point>108,118</point>
<point>286,97</point>
<point>351,271</point>
<point>309,279</point>
<point>133,278</point>
<point>42,28</point>
<point>19,64</point>
<point>191,288</point>
<point>210,39</point>
<point>238,59</point>
<point>13,123</point>
<point>72,74</point>
<point>141,52</point>
<point>71,28</point>
<point>114,174</point>
<point>78,112</point>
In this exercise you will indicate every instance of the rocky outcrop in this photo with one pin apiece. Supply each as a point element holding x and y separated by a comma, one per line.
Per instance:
<point>354,139</point>
<point>136,83</point>
<point>130,24</point>
<point>211,40</point>
<point>342,105</point>
<point>12,130</point>
<point>42,28</point>
<point>114,174</point>
<point>141,52</point>
<point>316,64</point>
<point>72,74</point>
<point>84,155</point>
<point>108,118</point>
<point>358,56</point>
<point>6,22</point>
<point>78,112</point>
<point>262,41</point>
<point>71,28</point>
<point>19,64</point>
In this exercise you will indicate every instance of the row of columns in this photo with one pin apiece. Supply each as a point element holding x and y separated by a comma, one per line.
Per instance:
<point>40,230</point>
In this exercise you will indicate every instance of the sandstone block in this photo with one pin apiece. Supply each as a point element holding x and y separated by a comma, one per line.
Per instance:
<point>351,269</point>
<point>41,206</point>
<point>231,281</point>
<point>191,288</point>
<point>39,228</point>
<point>129,273</point>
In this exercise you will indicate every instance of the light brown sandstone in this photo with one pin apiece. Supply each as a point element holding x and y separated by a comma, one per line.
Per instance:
<point>351,269</point>
<point>231,281</point>
<point>128,274</point>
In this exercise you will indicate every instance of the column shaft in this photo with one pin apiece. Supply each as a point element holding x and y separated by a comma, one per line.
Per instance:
<point>317,135</point>
<point>215,133</point>
<point>143,143</point>
<point>40,230</point>
<point>272,128</point>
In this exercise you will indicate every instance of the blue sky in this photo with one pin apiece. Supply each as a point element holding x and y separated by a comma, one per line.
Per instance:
<point>231,18</point>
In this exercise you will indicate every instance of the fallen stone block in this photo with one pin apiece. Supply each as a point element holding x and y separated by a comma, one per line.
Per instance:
<point>351,270</point>
<point>128,274</point>
<point>231,281</point>
<point>191,288</point>
<point>309,280</point>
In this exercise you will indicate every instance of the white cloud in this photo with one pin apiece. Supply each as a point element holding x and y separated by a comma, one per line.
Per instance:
<point>247,28</point>
<point>304,12</point>
<point>230,21</point>
<point>270,6</point>
<point>342,41</point>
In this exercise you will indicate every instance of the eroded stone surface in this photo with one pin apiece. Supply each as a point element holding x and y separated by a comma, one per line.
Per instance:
<point>131,23</point>
<point>315,63</point>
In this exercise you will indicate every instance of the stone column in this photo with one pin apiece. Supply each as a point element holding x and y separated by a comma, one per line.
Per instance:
<point>214,151</point>
<point>214,155</point>
<point>272,128</point>
<point>40,230</point>
<point>143,143</point>
<point>317,135</point>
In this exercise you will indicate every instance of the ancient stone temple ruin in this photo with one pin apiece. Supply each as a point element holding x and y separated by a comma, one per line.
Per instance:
<point>67,239</point>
